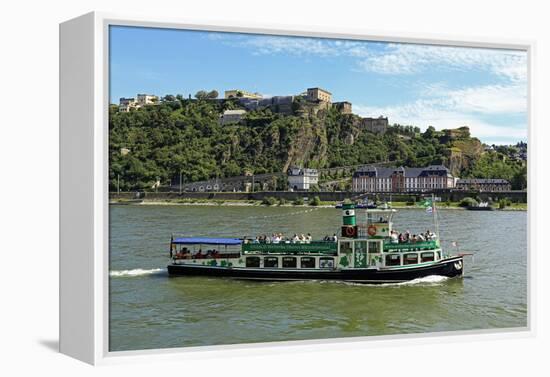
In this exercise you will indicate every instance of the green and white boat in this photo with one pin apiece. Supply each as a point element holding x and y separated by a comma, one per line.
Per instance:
<point>368,250</point>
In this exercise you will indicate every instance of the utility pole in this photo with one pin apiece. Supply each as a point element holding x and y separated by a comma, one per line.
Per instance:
<point>181,174</point>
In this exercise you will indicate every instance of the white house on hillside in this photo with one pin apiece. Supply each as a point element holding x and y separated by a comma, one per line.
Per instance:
<point>301,179</point>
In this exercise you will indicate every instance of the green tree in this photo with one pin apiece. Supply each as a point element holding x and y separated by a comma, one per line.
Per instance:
<point>519,179</point>
<point>213,94</point>
<point>201,94</point>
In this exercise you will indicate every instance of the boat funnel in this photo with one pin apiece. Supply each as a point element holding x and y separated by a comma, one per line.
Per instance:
<point>349,214</point>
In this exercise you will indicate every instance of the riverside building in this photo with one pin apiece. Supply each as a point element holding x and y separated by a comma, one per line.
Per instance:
<point>402,179</point>
<point>301,179</point>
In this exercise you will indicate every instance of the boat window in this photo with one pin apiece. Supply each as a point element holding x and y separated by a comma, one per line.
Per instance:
<point>307,262</point>
<point>393,260</point>
<point>289,262</point>
<point>438,255</point>
<point>374,247</point>
<point>271,262</point>
<point>410,258</point>
<point>360,246</point>
<point>427,257</point>
<point>253,262</point>
<point>345,247</point>
<point>325,262</point>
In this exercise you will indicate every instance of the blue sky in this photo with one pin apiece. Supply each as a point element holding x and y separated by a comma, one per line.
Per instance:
<point>422,85</point>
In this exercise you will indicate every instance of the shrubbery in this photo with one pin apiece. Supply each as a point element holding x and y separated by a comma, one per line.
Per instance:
<point>316,201</point>
<point>504,202</point>
<point>269,200</point>
<point>468,202</point>
<point>298,202</point>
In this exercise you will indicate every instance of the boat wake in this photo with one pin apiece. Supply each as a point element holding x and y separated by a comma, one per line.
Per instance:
<point>432,279</point>
<point>428,280</point>
<point>135,272</point>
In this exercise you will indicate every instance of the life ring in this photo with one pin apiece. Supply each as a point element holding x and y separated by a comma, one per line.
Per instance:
<point>371,230</point>
<point>350,231</point>
<point>458,265</point>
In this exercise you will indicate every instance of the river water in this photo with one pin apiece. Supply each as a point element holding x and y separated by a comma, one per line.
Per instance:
<point>149,309</point>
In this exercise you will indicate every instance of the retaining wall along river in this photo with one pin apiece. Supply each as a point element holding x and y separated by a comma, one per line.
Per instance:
<point>454,196</point>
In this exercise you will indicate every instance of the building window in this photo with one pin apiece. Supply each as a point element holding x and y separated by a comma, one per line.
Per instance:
<point>427,257</point>
<point>326,262</point>
<point>393,260</point>
<point>289,262</point>
<point>272,262</point>
<point>307,262</point>
<point>253,262</point>
<point>410,258</point>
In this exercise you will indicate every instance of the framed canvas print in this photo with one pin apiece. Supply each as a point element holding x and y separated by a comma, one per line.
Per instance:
<point>224,185</point>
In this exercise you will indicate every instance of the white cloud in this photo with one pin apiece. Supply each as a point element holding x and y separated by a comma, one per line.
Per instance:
<point>390,58</point>
<point>442,107</point>
<point>430,112</point>
<point>488,99</point>
<point>271,44</point>
<point>397,58</point>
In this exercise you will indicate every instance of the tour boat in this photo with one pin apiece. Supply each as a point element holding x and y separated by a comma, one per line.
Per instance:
<point>366,251</point>
<point>482,206</point>
<point>362,204</point>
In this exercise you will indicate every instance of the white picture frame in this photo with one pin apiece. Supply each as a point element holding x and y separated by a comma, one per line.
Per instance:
<point>84,270</point>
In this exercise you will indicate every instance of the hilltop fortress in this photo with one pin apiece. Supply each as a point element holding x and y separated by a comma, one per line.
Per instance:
<point>312,102</point>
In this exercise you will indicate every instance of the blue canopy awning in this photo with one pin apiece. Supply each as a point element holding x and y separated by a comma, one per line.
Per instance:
<point>207,241</point>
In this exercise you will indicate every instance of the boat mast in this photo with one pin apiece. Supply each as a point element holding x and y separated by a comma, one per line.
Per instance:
<point>434,216</point>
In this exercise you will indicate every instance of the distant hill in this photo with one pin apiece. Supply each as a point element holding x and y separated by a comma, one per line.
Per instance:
<point>185,136</point>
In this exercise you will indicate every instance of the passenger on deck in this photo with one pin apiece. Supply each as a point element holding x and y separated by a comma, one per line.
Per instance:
<point>401,238</point>
<point>334,238</point>
<point>295,238</point>
<point>420,238</point>
<point>393,237</point>
<point>199,254</point>
<point>308,238</point>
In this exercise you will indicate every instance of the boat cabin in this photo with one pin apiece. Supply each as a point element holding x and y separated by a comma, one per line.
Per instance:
<point>374,242</point>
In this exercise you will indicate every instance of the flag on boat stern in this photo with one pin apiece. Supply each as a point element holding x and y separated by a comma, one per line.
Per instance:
<point>426,203</point>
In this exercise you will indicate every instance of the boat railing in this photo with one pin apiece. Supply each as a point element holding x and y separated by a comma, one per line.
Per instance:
<point>411,246</point>
<point>190,255</point>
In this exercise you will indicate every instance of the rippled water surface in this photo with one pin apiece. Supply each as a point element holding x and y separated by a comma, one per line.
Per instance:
<point>149,309</point>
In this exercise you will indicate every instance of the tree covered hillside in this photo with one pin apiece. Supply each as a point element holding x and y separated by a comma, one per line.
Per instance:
<point>184,136</point>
